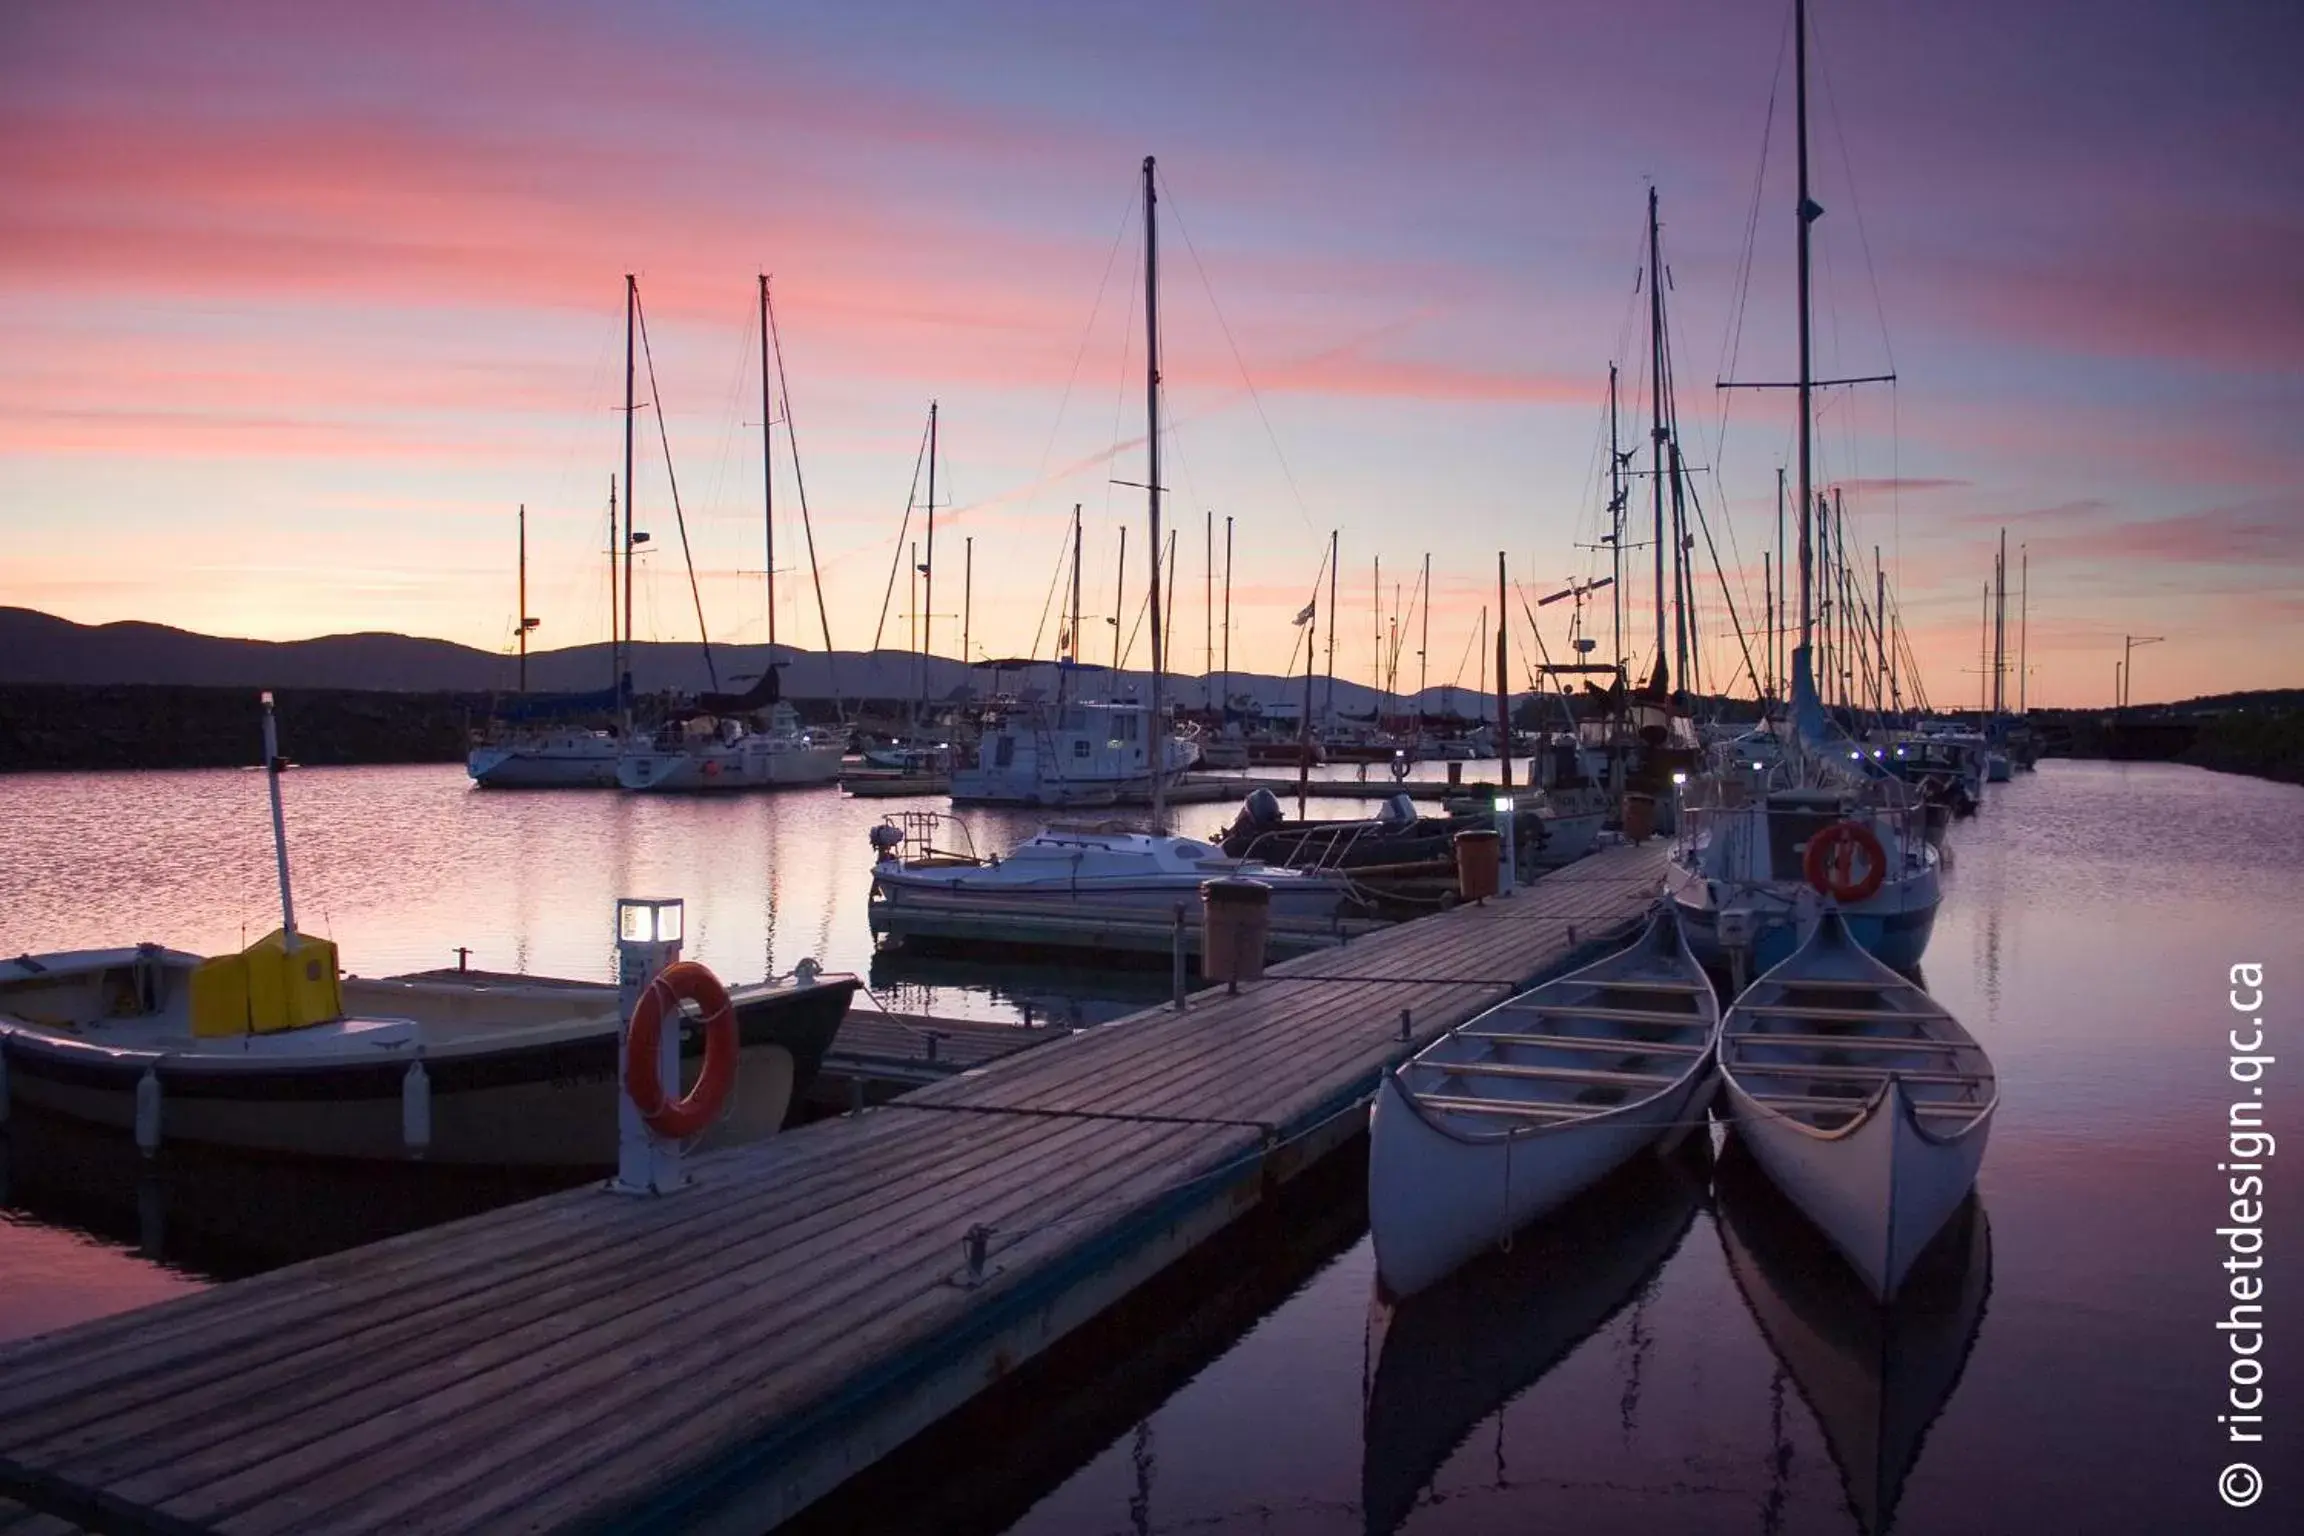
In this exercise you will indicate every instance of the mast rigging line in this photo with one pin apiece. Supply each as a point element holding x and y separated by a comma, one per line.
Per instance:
<point>800,484</point>
<point>656,398</point>
<point>1256,398</point>
<point>903,529</point>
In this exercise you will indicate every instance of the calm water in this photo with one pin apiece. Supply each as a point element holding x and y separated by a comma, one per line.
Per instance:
<point>1675,1355</point>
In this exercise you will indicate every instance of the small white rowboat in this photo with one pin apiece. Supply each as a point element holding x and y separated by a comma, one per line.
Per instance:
<point>1867,1103</point>
<point>1509,1114</point>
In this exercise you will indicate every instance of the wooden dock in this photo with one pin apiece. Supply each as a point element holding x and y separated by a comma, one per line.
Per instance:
<point>718,1359</point>
<point>1014,926</point>
<point>879,1054</point>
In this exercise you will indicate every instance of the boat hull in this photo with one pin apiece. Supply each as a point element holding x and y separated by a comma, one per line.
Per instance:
<point>509,1104</point>
<point>512,767</point>
<point>1436,1201</point>
<point>1879,1189</point>
<point>1307,899</point>
<point>695,773</point>
<point>1893,927</point>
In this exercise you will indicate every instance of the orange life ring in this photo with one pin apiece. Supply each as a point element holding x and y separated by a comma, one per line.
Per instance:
<point>678,1119</point>
<point>1826,864</point>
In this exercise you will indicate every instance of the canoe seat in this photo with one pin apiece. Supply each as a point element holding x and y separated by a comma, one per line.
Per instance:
<point>1684,988</point>
<point>1587,1042</point>
<point>1543,1074</point>
<point>1606,1015</point>
<point>1801,1102</point>
<point>1798,1011</point>
<point>1854,1074</point>
<point>1457,1105</point>
<point>1849,1042</point>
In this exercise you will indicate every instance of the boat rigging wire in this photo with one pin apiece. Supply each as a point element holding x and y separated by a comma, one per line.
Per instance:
<point>656,398</point>
<point>896,560</point>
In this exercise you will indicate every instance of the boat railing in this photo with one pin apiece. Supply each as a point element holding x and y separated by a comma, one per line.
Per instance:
<point>921,833</point>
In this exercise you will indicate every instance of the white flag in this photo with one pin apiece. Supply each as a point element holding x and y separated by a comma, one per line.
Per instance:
<point>1306,616</point>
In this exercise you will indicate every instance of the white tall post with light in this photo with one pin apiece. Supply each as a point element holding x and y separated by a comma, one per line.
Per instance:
<point>1507,853</point>
<point>648,937</point>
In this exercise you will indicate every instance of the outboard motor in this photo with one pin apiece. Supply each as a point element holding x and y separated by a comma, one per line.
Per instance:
<point>1259,813</point>
<point>887,837</point>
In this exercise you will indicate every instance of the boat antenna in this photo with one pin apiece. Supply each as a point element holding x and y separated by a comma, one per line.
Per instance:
<point>272,767</point>
<point>1156,740</point>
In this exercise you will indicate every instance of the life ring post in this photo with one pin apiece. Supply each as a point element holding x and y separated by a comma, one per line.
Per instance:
<point>648,939</point>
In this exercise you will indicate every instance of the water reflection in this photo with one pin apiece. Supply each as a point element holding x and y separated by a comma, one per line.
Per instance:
<point>1457,1352</point>
<point>1875,1377</point>
<point>216,1215</point>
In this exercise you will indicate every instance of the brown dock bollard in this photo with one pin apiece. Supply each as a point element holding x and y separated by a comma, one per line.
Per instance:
<point>1479,862</point>
<point>1235,922</point>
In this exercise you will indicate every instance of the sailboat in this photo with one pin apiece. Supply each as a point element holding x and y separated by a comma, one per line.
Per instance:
<point>733,741</point>
<point>1760,843</point>
<point>535,740</point>
<point>1074,753</point>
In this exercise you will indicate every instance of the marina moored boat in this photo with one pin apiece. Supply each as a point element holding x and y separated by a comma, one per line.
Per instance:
<point>1512,1112</point>
<point>1867,1104</point>
<point>1876,1377</point>
<point>720,754</point>
<point>568,758</point>
<point>1089,867</point>
<point>1071,755</point>
<point>292,1059</point>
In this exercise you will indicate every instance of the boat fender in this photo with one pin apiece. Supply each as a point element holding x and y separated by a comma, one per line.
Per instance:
<point>1826,863</point>
<point>148,1110</point>
<point>678,1119</point>
<point>416,1107</point>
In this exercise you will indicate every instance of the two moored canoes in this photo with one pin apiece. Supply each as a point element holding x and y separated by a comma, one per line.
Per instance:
<point>1865,1102</point>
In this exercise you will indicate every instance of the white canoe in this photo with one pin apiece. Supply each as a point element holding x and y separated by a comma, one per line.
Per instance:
<point>1509,1114</point>
<point>1867,1104</point>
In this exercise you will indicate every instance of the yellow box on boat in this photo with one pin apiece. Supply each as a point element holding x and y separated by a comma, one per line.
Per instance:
<point>267,987</point>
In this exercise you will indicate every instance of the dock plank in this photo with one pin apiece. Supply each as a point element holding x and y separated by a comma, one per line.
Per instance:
<point>591,1359</point>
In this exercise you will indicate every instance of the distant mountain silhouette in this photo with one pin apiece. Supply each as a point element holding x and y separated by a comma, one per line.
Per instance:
<point>39,648</point>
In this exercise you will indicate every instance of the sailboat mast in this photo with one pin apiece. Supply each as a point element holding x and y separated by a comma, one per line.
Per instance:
<point>1075,583</point>
<point>631,323</point>
<point>1224,693</point>
<point>1615,535</point>
<point>1424,646</point>
<point>1776,632</point>
<point>1119,603</point>
<point>1376,642</point>
<point>2023,624</point>
<point>272,767</point>
<point>1208,609</point>
<point>967,592</point>
<point>767,470</point>
<point>2000,627</point>
<point>1156,741</point>
<point>1656,410</point>
<point>614,672</point>
<point>1808,213</point>
<point>928,570</point>
<point>524,624</point>
<point>1503,681</point>
<point>1332,555</point>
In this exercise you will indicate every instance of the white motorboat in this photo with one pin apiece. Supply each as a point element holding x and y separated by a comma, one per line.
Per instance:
<point>708,753</point>
<point>1072,755</point>
<point>514,1071</point>
<point>1509,1114</point>
<point>1867,1103</point>
<point>1088,867</point>
<point>566,758</point>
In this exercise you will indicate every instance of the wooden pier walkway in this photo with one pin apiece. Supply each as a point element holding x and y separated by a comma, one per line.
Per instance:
<point>718,1359</point>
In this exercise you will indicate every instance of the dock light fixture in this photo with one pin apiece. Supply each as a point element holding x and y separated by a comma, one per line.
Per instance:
<point>1503,805</point>
<point>1757,765</point>
<point>1681,778</point>
<point>648,935</point>
<point>639,921</point>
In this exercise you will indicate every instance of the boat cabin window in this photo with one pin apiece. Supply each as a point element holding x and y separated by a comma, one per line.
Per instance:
<point>1080,746</point>
<point>1005,756</point>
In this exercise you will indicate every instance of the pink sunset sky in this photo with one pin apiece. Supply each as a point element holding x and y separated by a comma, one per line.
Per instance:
<point>302,300</point>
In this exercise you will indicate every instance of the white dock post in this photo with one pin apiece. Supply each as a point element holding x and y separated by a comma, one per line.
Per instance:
<point>648,935</point>
<point>1507,853</point>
